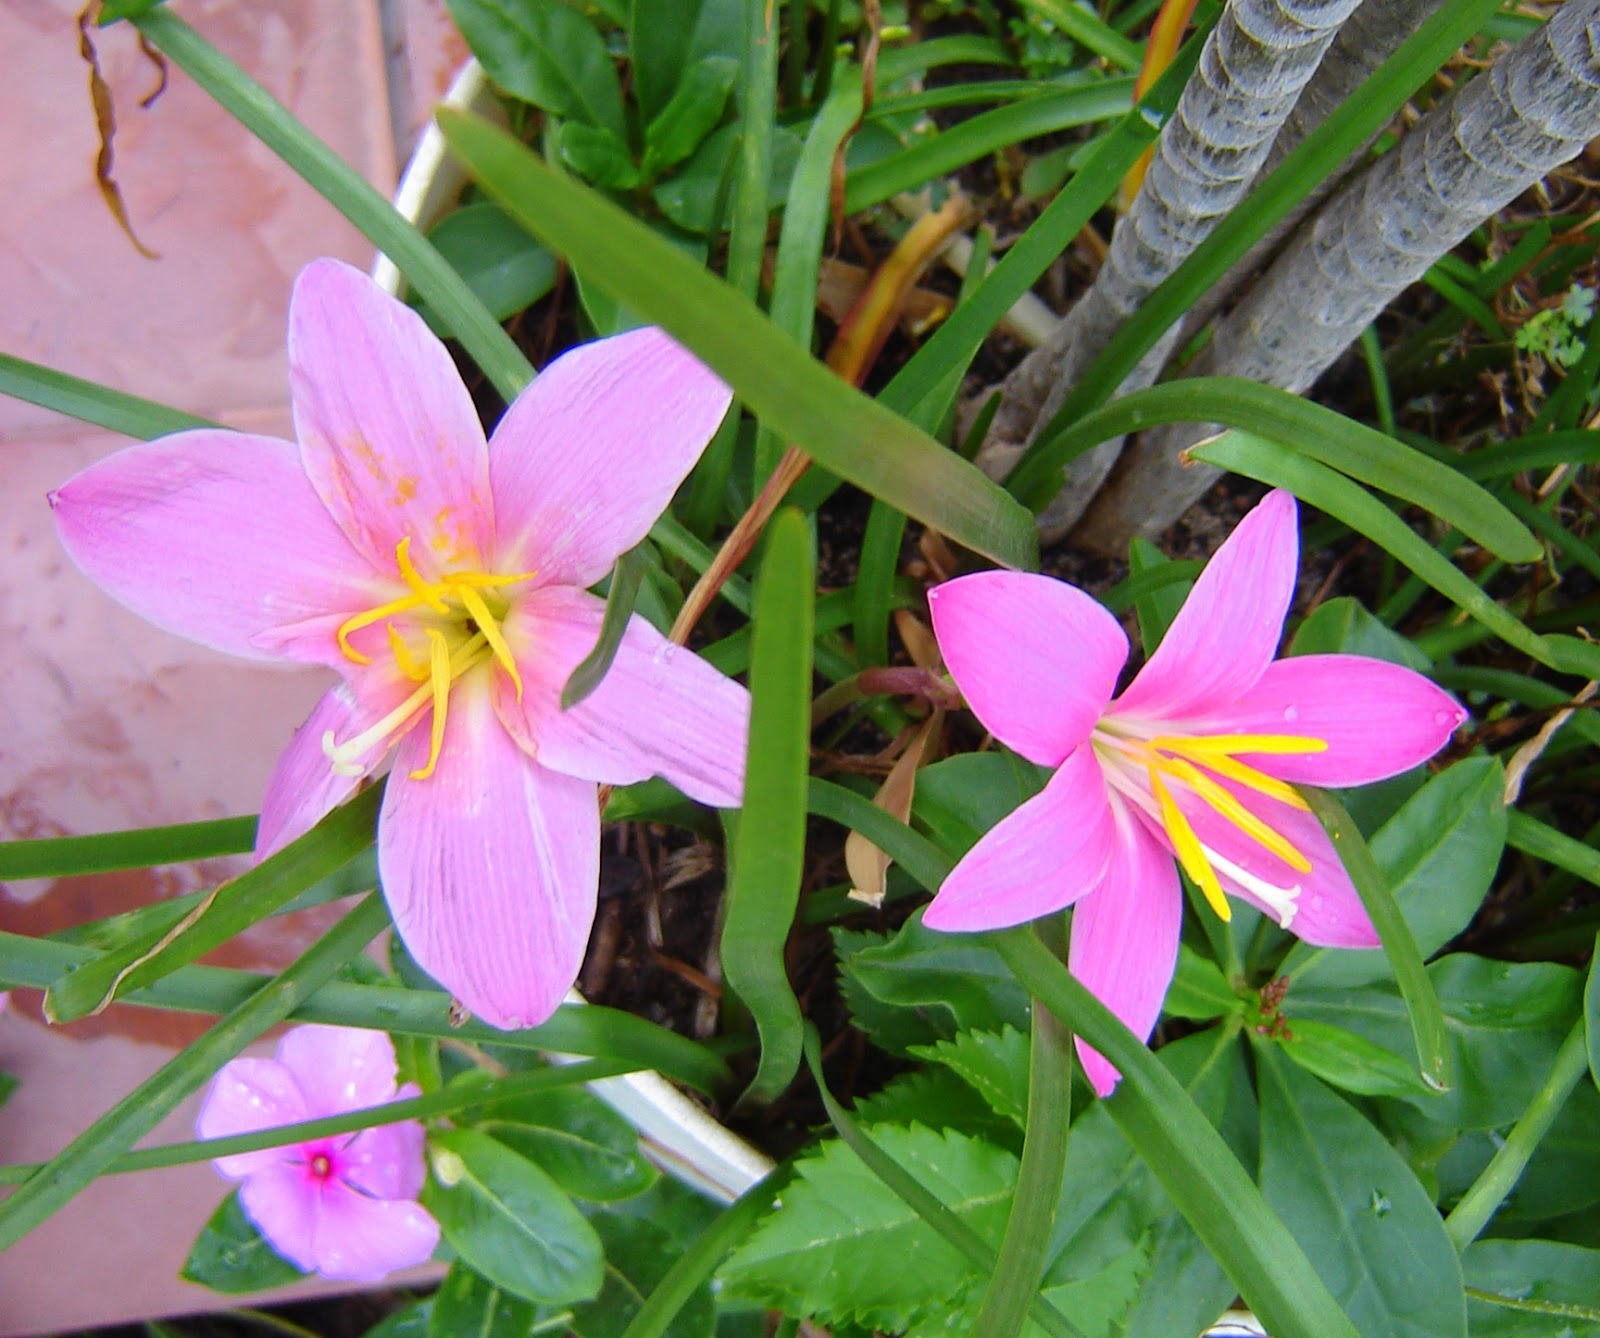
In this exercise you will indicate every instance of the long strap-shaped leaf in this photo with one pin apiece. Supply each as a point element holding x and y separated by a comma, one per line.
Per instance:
<point>1188,1156</point>
<point>769,849</point>
<point>790,391</point>
<point>94,1150</point>
<point>137,848</point>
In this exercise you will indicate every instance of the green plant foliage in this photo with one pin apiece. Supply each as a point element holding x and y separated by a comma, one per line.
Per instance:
<point>690,115</point>
<point>509,1221</point>
<point>938,1099</point>
<point>1343,626</point>
<point>411,1322</point>
<point>1532,1289</point>
<point>469,1304</point>
<point>1371,1229</point>
<point>669,37</point>
<point>1199,990</point>
<point>589,1150</point>
<point>231,1256</point>
<point>842,1246</point>
<point>1350,1062</point>
<point>506,269</point>
<point>960,798</point>
<point>993,1063</point>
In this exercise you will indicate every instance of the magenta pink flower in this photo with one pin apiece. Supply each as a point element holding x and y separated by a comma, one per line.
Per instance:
<point>1195,761</point>
<point>444,579</point>
<point>344,1207</point>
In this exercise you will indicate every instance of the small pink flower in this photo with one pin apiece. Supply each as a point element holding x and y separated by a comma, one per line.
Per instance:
<point>445,580</point>
<point>1195,761</point>
<point>344,1207</point>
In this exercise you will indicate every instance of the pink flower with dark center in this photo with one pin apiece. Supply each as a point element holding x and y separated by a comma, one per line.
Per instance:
<point>444,578</point>
<point>1195,763</point>
<point>344,1207</point>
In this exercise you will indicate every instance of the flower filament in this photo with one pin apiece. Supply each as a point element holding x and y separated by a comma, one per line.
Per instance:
<point>1193,763</point>
<point>459,616</point>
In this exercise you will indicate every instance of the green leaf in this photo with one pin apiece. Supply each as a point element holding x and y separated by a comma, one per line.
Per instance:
<point>576,1139</point>
<point>1591,1014</point>
<point>68,856</point>
<point>1422,1006</point>
<point>1157,608</point>
<point>693,197</point>
<point>1532,1289</point>
<point>545,52</point>
<point>9,1082</point>
<point>467,1304</point>
<point>839,1244</point>
<point>937,1099</point>
<point>962,797</point>
<point>924,969</point>
<point>789,391</point>
<point>769,848</point>
<point>621,597</point>
<point>1350,1062</point>
<point>667,38</point>
<point>1343,626</point>
<point>1438,853</point>
<point>1199,990</point>
<point>231,1256</point>
<point>993,1063</point>
<point>1369,1227</point>
<point>696,106</point>
<point>642,1239</point>
<point>223,915</point>
<point>510,1221</point>
<point>892,1028</point>
<point>412,1322</point>
<point>598,156</point>
<point>505,268</point>
<point>1504,1022</point>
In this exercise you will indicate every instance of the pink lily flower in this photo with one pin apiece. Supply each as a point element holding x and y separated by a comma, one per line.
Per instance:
<point>444,578</point>
<point>1195,762</point>
<point>345,1206</point>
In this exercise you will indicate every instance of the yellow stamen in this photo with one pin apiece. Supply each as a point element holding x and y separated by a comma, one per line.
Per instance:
<point>1187,847</point>
<point>1278,744</point>
<point>1236,813</point>
<point>439,685</point>
<point>367,619</point>
<point>426,591</point>
<point>404,658</point>
<point>1250,778</point>
<point>491,633</point>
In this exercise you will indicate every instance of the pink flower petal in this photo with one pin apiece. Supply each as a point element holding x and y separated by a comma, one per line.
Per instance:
<point>283,1202</point>
<point>590,454</point>
<point>1125,938</point>
<point>1036,658</point>
<point>1228,629</point>
<point>246,1096</point>
<point>362,1239</point>
<point>216,536</point>
<point>1039,858</point>
<point>491,866</point>
<point>303,787</point>
<point>1378,719</point>
<point>1327,908</point>
<point>386,1160</point>
<point>388,433</point>
<point>339,1068</point>
<point>660,710</point>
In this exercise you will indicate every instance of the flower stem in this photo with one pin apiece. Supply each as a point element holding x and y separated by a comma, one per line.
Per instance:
<point>1022,1259</point>
<point>1499,1177</point>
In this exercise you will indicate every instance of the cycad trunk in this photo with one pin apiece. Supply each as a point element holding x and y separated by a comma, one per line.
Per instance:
<point>1251,71</point>
<point>1474,153</point>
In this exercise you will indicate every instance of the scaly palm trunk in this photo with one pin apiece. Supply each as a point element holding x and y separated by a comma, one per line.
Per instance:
<point>1493,138</point>
<point>1252,69</point>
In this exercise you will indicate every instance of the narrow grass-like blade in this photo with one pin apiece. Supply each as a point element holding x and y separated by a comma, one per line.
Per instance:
<point>788,390</point>
<point>141,848</point>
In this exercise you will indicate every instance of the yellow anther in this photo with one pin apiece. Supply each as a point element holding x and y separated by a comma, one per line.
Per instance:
<point>491,633</point>
<point>1186,845</point>
<point>1251,779</point>
<point>439,685</point>
<point>1236,813</point>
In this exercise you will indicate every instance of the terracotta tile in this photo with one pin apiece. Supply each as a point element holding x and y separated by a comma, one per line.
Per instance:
<point>433,53</point>
<point>202,327</point>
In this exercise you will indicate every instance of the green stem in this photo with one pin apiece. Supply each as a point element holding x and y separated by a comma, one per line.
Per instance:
<point>1499,1177</point>
<point>343,187</point>
<point>94,1150</point>
<point>352,1121</point>
<point>1188,1156</point>
<point>1024,1249</point>
<point>104,852</point>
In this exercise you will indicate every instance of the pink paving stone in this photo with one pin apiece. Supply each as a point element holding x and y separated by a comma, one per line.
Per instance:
<point>202,327</point>
<point>434,52</point>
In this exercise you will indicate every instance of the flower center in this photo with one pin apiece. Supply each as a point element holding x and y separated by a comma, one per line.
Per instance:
<point>321,1166</point>
<point>1193,763</point>
<point>459,617</point>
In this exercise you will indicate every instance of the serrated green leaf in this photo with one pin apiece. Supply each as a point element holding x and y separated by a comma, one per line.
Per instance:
<point>510,1221</point>
<point>1439,853</point>
<point>1504,1022</point>
<point>231,1256</point>
<point>546,53</point>
<point>576,1139</point>
<point>470,1306</point>
<point>1369,1228</point>
<point>892,1028</point>
<point>1350,1062</point>
<point>936,1098</point>
<point>841,1245</point>
<point>993,1063</point>
<point>1532,1289</point>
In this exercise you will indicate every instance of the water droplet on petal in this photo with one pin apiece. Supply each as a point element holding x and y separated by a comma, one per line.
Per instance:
<point>1291,713</point>
<point>1443,718</point>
